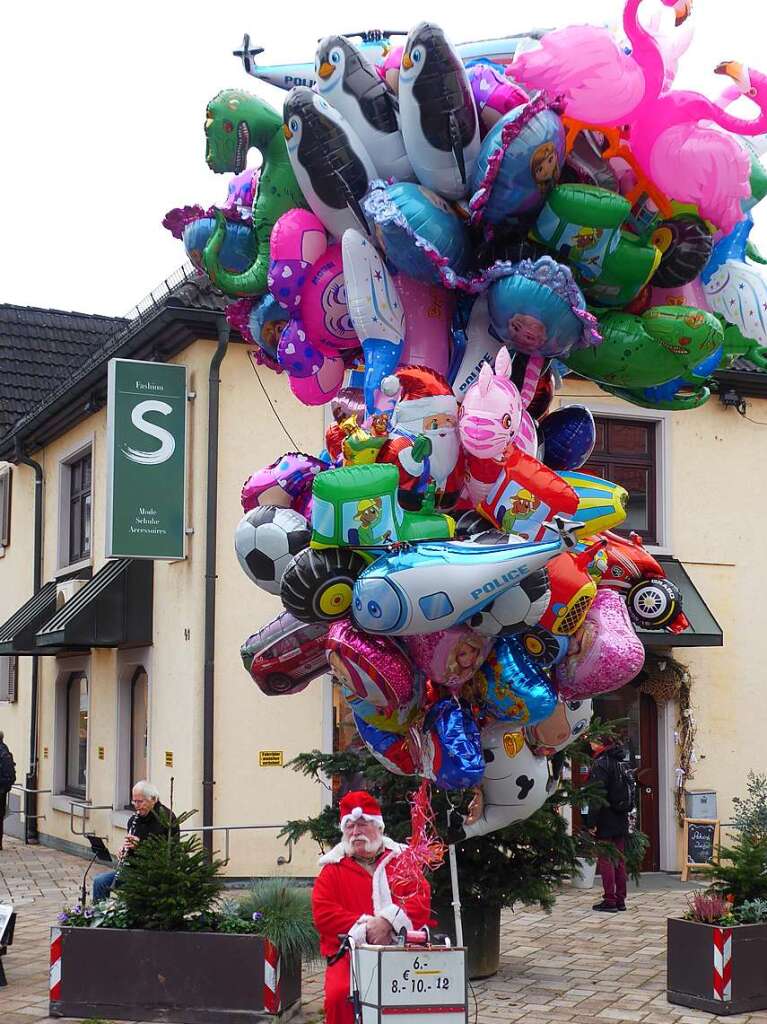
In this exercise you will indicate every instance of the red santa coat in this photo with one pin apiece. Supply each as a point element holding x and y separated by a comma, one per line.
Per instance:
<point>345,895</point>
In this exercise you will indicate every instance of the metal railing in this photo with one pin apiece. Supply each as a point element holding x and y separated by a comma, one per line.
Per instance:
<point>23,789</point>
<point>226,829</point>
<point>86,809</point>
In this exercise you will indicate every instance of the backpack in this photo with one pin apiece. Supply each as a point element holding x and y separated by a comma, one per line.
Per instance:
<point>7,769</point>
<point>621,789</point>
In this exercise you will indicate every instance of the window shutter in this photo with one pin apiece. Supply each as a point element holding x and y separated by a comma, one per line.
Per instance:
<point>8,674</point>
<point>5,506</point>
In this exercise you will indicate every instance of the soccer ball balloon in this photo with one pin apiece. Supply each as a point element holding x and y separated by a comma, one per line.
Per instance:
<point>518,608</point>
<point>265,541</point>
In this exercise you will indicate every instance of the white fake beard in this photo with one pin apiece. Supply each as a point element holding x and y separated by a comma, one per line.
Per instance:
<point>445,449</point>
<point>372,846</point>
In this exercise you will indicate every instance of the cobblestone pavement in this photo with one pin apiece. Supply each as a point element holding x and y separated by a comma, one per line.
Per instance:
<point>568,967</point>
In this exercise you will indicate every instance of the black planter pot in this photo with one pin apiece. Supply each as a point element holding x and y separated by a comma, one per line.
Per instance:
<point>187,977</point>
<point>721,970</point>
<point>481,937</point>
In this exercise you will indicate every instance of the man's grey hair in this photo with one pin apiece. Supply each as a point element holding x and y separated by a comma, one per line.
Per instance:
<point>147,789</point>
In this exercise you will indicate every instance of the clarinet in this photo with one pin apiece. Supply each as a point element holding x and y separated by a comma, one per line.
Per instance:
<point>132,823</point>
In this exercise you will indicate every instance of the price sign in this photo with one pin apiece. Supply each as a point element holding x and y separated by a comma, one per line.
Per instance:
<point>426,977</point>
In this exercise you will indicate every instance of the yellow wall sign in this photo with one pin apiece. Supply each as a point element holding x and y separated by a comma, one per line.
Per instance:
<point>270,759</point>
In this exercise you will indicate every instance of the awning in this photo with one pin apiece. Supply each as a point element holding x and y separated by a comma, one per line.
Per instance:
<point>17,635</point>
<point>703,631</point>
<point>113,609</point>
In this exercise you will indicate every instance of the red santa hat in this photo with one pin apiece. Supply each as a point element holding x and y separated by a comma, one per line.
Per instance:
<point>419,392</point>
<point>360,806</point>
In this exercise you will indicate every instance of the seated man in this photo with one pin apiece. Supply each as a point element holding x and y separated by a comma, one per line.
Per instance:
<point>150,819</point>
<point>352,895</point>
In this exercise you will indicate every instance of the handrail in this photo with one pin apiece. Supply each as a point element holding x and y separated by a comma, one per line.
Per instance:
<point>86,808</point>
<point>226,829</point>
<point>23,789</point>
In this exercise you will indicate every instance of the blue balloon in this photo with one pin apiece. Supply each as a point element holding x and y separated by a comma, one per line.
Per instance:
<point>421,233</point>
<point>568,435</point>
<point>238,251</point>
<point>537,308</point>
<point>517,690</point>
<point>458,762</point>
<point>520,161</point>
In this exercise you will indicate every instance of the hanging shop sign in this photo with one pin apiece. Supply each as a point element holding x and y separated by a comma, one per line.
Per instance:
<point>146,459</point>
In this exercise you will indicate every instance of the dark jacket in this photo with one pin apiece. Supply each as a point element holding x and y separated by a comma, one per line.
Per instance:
<point>609,824</point>
<point>7,769</point>
<point>152,824</point>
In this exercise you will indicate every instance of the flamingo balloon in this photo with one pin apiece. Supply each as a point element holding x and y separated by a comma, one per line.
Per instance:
<point>604,87</point>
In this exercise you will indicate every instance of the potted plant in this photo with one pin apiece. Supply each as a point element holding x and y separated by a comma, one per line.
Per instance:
<point>524,863</point>
<point>717,952</point>
<point>165,946</point>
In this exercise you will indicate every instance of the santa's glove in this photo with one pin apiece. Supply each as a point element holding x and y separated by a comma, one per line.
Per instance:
<point>421,448</point>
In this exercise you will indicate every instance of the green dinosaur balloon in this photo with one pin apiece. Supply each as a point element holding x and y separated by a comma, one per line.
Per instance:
<point>736,345</point>
<point>235,122</point>
<point>660,360</point>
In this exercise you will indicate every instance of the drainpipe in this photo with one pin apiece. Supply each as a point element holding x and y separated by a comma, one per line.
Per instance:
<point>30,799</point>
<point>211,522</point>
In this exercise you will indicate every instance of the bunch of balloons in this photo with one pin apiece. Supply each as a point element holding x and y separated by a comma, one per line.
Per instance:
<point>436,236</point>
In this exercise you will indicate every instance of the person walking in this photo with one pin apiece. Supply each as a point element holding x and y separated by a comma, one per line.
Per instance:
<point>7,779</point>
<point>610,821</point>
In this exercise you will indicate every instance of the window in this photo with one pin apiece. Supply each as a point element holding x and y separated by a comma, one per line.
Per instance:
<point>139,727</point>
<point>5,506</point>
<point>9,667</point>
<point>77,734</point>
<point>79,546</point>
<point>625,454</point>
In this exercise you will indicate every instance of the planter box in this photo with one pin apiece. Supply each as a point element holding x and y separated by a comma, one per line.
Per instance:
<point>721,970</point>
<point>194,977</point>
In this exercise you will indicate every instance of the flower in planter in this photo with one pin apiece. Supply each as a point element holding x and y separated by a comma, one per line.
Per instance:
<point>256,915</point>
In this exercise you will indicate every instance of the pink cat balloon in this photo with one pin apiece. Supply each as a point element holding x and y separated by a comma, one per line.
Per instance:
<point>491,417</point>
<point>605,653</point>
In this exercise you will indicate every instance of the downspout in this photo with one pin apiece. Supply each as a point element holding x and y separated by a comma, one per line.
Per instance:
<point>30,799</point>
<point>211,522</point>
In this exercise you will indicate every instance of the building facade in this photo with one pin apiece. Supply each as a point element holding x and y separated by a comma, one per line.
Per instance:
<point>114,670</point>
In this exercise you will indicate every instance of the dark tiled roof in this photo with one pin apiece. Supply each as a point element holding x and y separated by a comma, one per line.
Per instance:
<point>39,350</point>
<point>45,351</point>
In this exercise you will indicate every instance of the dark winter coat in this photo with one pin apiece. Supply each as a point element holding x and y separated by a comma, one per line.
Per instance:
<point>609,824</point>
<point>7,769</point>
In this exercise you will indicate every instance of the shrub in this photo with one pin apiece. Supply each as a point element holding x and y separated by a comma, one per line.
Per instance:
<point>708,908</point>
<point>282,913</point>
<point>752,912</point>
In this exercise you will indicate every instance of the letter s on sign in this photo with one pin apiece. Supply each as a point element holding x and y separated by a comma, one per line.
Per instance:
<point>166,439</point>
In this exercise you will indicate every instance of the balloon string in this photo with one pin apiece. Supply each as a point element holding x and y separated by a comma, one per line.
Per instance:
<point>425,851</point>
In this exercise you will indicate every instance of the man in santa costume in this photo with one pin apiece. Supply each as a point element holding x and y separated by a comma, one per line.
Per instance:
<point>425,408</point>
<point>355,894</point>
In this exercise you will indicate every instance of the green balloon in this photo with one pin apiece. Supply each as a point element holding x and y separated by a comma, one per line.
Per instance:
<point>236,122</point>
<point>665,343</point>
<point>583,225</point>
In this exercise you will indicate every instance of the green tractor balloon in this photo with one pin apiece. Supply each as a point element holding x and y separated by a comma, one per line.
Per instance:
<point>236,122</point>
<point>663,359</point>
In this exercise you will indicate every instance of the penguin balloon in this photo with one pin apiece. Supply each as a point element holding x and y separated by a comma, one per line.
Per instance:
<point>331,165</point>
<point>351,84</point>
<point>438,115</point>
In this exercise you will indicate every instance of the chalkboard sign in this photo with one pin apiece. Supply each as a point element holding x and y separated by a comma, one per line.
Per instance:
<point>701,841</point>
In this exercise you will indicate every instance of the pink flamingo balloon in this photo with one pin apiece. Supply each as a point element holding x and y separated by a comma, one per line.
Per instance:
<point>602,86</point>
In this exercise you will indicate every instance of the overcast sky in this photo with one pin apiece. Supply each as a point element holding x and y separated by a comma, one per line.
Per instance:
<point>104,105</point>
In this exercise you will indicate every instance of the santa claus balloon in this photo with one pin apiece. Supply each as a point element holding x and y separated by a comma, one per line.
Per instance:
<point>424,442</point>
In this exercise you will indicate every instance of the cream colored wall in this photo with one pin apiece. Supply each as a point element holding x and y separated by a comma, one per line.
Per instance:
<point>246,720</point>
<point>16,583</point>
<point>717,498</point>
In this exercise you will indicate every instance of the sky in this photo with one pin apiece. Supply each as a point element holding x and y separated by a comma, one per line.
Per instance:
<point>104,105</point>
